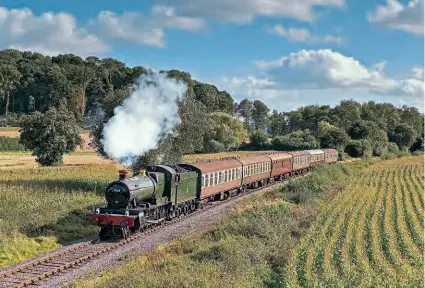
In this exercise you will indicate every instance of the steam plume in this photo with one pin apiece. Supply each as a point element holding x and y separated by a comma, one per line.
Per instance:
<point>148,114</point>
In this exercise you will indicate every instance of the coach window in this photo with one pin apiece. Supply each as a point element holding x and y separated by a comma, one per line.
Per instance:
<point>211,180</point>
<point>203,181</point>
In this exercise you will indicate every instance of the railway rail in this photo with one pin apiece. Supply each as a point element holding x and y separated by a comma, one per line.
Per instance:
<point>32,272</point>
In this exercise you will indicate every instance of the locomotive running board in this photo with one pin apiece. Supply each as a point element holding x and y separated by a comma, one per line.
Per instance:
<point>155,221</point>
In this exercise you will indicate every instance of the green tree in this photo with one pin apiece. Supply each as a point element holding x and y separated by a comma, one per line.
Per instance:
<point>258,140</point>
<point>244,110</point>
<point>225,132</point>
<point>9,79</point>
<point>347,112</point>
<point>260,113</point>
<point>276,123</point>
<point>50,135</point>
<point>331,136</point>
<point>403,135</point>
<point>359,148</point>
<point>298,140</point>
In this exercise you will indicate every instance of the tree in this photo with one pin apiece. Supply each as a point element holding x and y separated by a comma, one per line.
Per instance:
<point>9,79</point>
<point>403,135</point>
<point>225,132</point>
<point>364,129</point>
<point>346,113</point>
<point>359,148</point>
<point>331,136</point>
<point>259,114</point>
<point>298,140</point>
<point>294,120</point>
<point>50,135</point>
<point>244,110</point>
<point>258,140</point>
<point>276,124</point>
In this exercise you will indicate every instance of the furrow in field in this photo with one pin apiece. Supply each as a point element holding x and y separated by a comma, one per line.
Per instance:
<point>403,238</point>
<point>414,231</point>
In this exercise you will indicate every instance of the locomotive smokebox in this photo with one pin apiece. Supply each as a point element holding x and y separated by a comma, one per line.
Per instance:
<point>123,174</point>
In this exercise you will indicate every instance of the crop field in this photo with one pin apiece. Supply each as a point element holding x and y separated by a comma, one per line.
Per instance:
<point>369,236</point>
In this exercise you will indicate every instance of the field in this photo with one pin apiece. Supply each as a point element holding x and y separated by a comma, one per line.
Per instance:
<point>13,132</point>
<point>371,235</point>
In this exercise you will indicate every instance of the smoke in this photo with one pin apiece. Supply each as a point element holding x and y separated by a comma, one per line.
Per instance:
<point>149,114</point>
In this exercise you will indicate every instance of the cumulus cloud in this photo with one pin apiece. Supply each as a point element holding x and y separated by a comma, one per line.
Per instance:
<point>144,30</point>
<point>326,69</point>
<point>244,11</point>
<point>48,33</point>
<point>303,35</point>
<point>395,15</point>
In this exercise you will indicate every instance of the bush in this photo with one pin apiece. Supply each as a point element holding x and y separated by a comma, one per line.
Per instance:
<point>417,153</point>
<point>388,156</point>
<point>359,148</point>
<point>299,140</point>
<point>8,144</point>
<point>392,147</point>
<point>402,154</point>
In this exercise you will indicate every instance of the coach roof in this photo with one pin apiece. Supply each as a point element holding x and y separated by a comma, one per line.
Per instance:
<point>216,165</point>
<point>315,151</point>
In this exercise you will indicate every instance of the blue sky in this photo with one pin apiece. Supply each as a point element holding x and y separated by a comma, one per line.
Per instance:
<point>287,53</point>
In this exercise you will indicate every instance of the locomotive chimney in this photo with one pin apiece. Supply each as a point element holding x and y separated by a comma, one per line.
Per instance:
<point>123,174</point>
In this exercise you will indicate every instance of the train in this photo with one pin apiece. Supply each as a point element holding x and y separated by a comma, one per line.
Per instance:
<point>165,192</point>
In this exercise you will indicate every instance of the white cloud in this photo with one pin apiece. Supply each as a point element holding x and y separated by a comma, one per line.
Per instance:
<point>395,15</point>
<point>48,33</point>
<point>304,35</point>
<point>289,99</point>
<point>326,69</point>
<point>324,77</point>
<point>144,30</point>
<point>244,11</point>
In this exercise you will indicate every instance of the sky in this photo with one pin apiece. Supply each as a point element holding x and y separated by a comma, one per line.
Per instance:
<point>287,53</point>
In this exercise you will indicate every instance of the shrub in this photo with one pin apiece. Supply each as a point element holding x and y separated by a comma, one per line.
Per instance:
<point>401,154</point>
<point>359,148</point>
<point>392,147</point>
<point>417,153</point>
<point>388,156</point>
<point>299,140</point>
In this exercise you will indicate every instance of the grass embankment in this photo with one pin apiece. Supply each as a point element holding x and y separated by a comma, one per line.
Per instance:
<point>42,208</point>
<point>250,247</point>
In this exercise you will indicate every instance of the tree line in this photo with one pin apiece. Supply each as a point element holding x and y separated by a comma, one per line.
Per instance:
<point>86,91</point>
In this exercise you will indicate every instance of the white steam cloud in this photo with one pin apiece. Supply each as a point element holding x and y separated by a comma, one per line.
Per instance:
<point>143,119</point>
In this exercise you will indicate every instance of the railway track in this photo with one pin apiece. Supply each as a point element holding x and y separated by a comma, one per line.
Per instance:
<point>32,272</point>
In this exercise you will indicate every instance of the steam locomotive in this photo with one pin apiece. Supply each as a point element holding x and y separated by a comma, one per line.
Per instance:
<point>168,191</point>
